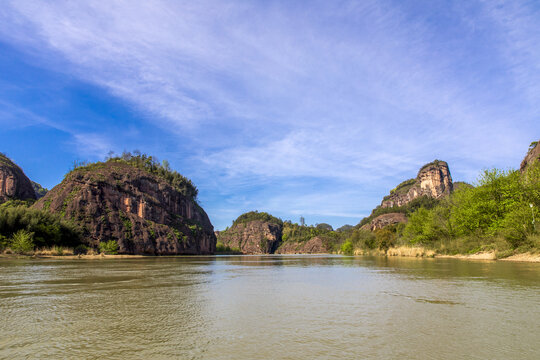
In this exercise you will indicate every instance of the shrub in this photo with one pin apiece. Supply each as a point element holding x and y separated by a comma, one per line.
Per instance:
<point>22,242</point>
<point>363,239</point>
<point>80,250</point>
<point>226,249</point>
<point>4,242</point>
<point>49,229</point>
<point>108,247</point>
<point>347,248</point>
<point>385,239</point>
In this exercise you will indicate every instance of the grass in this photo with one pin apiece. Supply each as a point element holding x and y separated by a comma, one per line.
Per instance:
<point>54,251</point>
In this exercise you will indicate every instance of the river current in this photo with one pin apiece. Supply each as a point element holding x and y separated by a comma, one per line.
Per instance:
<point>269,307</point>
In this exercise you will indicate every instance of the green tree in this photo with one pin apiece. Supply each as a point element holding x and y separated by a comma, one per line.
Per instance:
<point>22,242</point>
<point>347,248</point>
<point>108,247</point>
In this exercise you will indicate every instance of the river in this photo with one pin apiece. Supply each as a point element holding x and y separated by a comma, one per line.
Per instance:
<point>269,307</point>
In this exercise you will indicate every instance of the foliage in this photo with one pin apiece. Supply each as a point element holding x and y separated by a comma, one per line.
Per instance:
<point>324,226</point>
<point>4,242</point>
<point>345,227</point>
<point>434,163</point>
<point>385,239</point>
<point>364,239</point>
<point>458,185</point>
<point>403,187</point>
<point>426,202</point>
<point>297,233</point>
<point>5,160</point>
<point>39,190</point>
<point>48,229</point>
<point>347,248</point>
<point>226,249</point>
<point>22,242</point>
<point>147,163</point>
<point>80,250</point>
<point>108,247</point>
<point>255,215</point>
<point>501,205</point>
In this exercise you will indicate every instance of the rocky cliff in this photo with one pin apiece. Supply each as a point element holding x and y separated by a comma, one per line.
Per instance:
<point>532,155</point>
<point>143,212</point>
<point>252,237</point>
<point>384,220</point>
<point>433,180</point>
<point>13,182</point>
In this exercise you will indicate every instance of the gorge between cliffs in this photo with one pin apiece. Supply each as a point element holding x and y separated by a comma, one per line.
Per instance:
<point>134,205</point>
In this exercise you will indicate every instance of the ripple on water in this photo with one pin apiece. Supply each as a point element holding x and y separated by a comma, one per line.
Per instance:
<point>268,307</point>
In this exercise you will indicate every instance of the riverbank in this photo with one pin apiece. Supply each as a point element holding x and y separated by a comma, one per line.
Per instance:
<point>73,257</point>
<point>419,251</point>
<point>403,251</point>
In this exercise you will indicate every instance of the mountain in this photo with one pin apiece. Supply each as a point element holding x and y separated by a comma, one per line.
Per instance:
<point>39,190</point>
<point>433,180</point>
<point>532,155</point>
<point>145,207</point>
<point>14,185</point>
<point>253,233</point>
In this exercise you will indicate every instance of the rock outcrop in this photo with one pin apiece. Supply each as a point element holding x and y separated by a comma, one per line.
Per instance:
<point>433,180</point>
<point>252,237</point>
<point>315,245</point>
<point>144,213</point>
<point>14,185</point>
<point>384,220</point>
<point>39,190</point>
<point>532,155</point>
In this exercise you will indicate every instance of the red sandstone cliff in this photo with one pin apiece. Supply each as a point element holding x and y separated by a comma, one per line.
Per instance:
<point>141,211</point>
<point>13,182</point>
<point>433,180</point>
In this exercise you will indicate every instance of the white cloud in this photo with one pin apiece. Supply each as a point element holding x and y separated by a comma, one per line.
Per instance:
<point>351,93</point>
<point>95,145</point>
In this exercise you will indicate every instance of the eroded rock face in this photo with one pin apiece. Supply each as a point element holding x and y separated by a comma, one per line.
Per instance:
<point>532,155</point>
<point>142,212</point>
<point>384,220</point>
<point>315,245</point>
<point>253,237</point>
<point>433,180</point>
<point>14,185</point>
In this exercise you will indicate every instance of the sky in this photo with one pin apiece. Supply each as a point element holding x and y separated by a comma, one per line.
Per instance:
<point>297,108</point>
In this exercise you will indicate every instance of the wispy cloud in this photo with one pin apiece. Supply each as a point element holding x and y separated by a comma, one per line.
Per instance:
<point>267,92</point>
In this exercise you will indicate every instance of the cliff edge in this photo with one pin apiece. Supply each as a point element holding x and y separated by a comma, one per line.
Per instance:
<point>433,180</point>
<point>532,155</point>
<point>144,212</point>
<point>14,185</point>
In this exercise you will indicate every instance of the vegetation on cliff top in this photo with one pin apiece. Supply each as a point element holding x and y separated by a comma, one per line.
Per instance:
<point>407,209</point>
<point>147,163</point>
<point>401,189</point>
<point>255,215</point>
<point>39,190</point>
<point>5,160</point>
<point>435,162</point>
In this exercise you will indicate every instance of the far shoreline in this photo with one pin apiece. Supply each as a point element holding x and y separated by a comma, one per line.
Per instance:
<point>394,252</point>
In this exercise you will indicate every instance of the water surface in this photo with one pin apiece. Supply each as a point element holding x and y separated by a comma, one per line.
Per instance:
<point>269,307</point>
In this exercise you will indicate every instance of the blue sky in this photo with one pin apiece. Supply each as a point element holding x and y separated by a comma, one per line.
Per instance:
<point>298,108</point>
